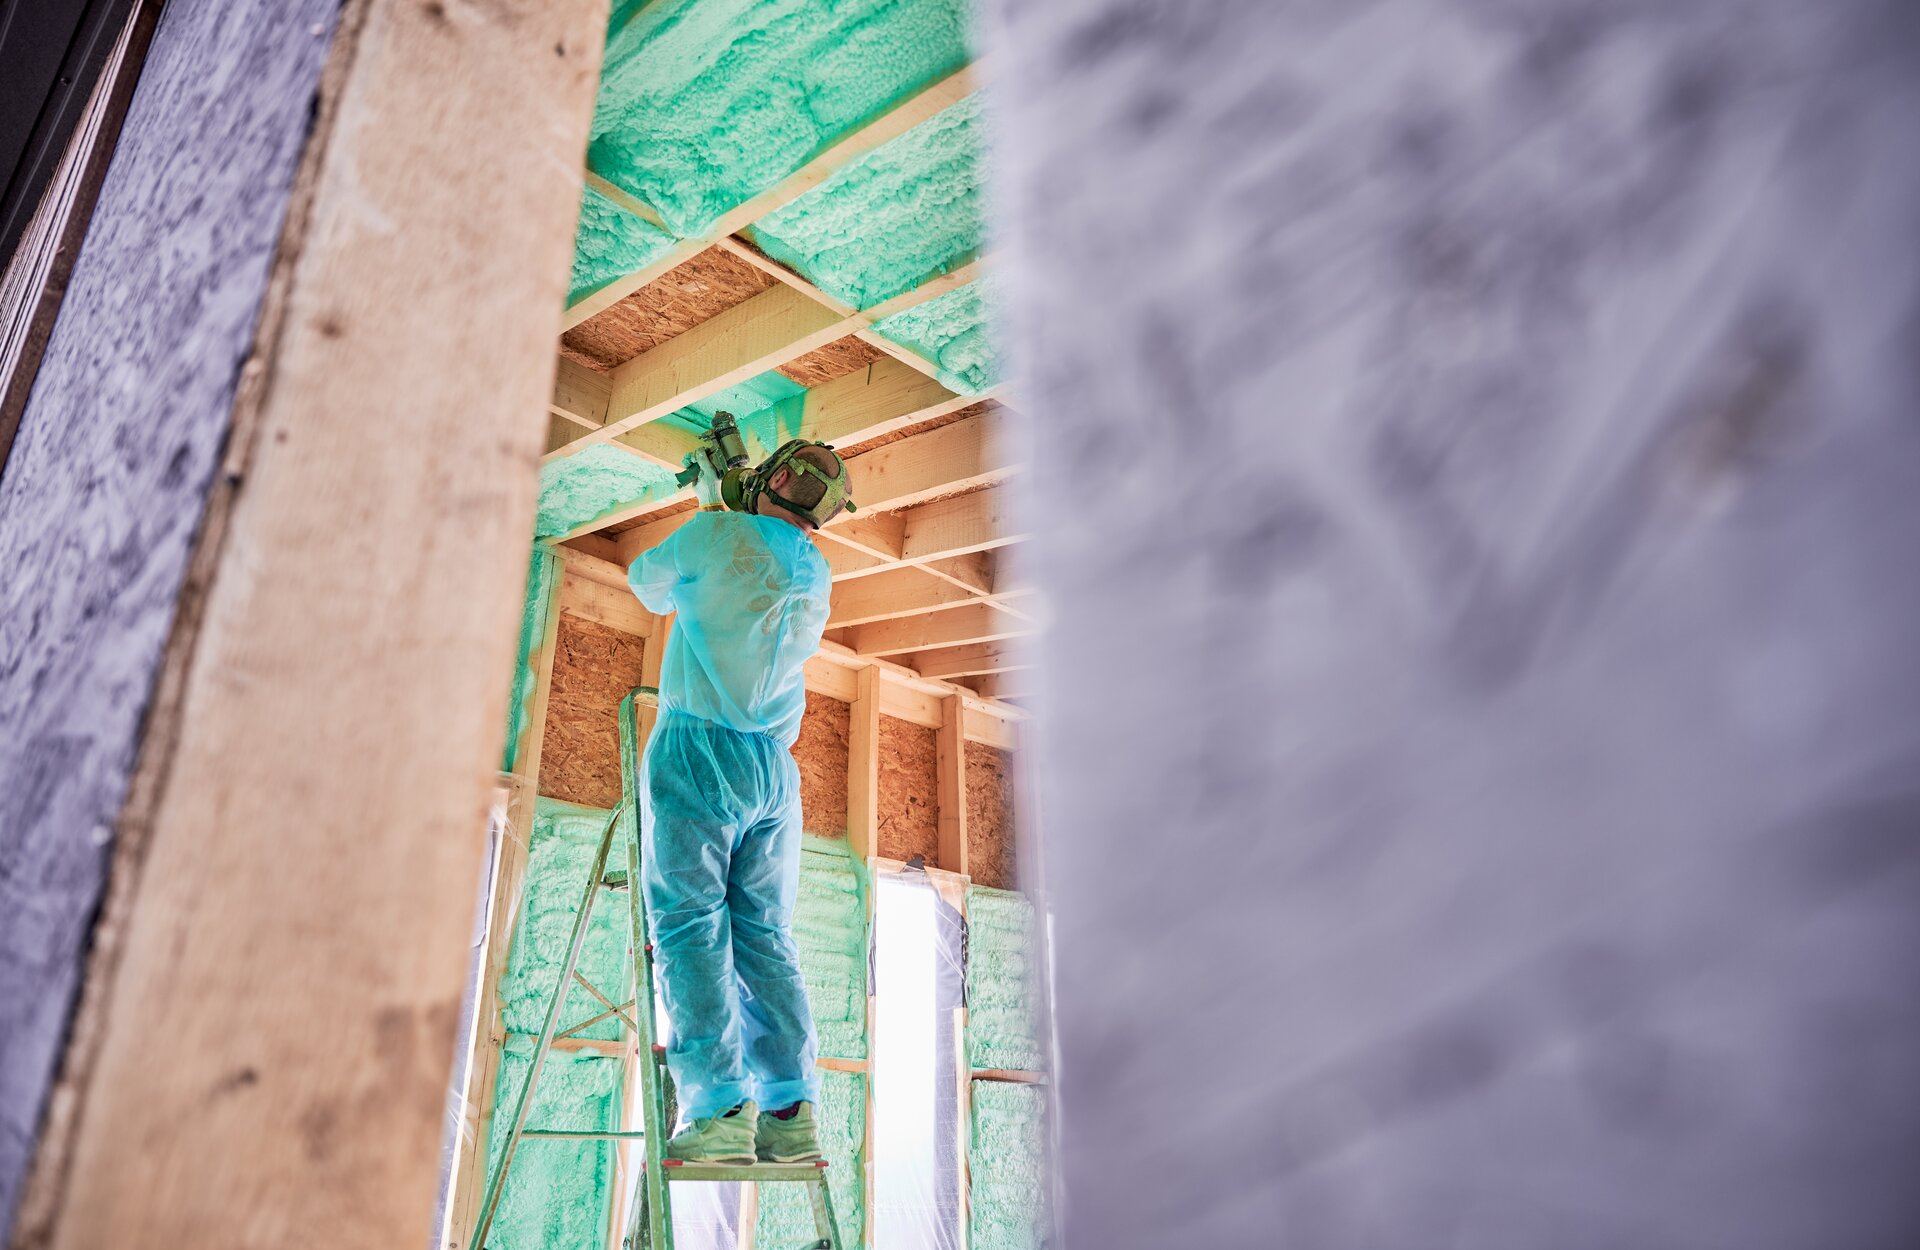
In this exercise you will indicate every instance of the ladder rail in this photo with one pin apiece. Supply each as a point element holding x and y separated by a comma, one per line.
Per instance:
<point>523,1104</point>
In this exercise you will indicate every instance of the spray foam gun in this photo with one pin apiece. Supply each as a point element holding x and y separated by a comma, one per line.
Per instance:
<point>717,470</point>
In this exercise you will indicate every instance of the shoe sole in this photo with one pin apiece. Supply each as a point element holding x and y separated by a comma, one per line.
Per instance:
<point>731,1161</point>
<point>799,1158</point>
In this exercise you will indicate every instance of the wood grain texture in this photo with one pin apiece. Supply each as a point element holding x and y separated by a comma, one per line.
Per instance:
<point>907,821</point>
<point>594,666</point>
<point>276,1036</point>
<point>821,754</point>
<point>108,479</point>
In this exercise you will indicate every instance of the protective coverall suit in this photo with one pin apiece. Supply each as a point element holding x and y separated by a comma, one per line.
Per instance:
<point>720,804</point>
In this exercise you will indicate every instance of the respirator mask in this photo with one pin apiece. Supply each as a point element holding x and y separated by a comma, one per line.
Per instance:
<point>721,478</point>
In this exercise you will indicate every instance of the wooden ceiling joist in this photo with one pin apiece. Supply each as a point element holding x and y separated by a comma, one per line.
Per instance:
<point>895,122</point>
<point>952,628</point>
<point>973,660</point>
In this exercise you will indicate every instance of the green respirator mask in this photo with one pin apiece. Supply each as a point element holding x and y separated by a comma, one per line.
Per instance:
<point>721,477</point>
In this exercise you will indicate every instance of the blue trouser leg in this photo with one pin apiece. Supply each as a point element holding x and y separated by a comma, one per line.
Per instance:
<point>722,850</point>
<point>776,1022</point>
<point>690,828</point>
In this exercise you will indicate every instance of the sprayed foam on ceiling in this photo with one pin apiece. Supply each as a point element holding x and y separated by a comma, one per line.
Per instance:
<point>1006,1164</point>
<point>1003,998</point>
<point>786,1215</point>
<point>558,1191</point>
<point>907,210</point>
<point>594,481</point>
<point>706,103</point>
<point>610,243</point>
<point>954,331</point>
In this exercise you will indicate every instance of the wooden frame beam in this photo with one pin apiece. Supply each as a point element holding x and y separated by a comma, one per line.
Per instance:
<point>951,800</point>
<point>972,660</point>
<point>952,628</point>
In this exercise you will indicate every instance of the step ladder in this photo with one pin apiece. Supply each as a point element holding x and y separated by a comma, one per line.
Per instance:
<point>650,1223</point>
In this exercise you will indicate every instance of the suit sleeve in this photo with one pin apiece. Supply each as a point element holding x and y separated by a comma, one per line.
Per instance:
<point>655,574</point>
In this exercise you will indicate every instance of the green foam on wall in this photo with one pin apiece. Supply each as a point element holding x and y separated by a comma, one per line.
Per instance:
<point>609,243</point>
<point>558,1190</point>
<point>830,928</point>
<point>533,629</point>
<point>786,1215</point>
<point>559,853</point>
<point>907,210</point>
<point>1003,995</point>
<point>706,103</point>
<point>592,482</point>
<point>955,331</point>
<point>1007,1161</point>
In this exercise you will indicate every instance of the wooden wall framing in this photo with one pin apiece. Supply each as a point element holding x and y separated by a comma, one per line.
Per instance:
<point>267,1017</point>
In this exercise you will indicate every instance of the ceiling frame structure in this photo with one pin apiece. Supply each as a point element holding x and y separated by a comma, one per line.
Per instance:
<point>921,570</point>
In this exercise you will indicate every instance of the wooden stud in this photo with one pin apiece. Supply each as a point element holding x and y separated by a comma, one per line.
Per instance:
<point>863,765</point>
<point>503,911</point>
<point>904,592</point>
<point>616,608</point>
<point>952,796</point>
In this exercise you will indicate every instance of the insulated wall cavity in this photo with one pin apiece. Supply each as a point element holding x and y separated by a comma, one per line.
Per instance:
<point>1007,1164</point>
<point>558,1190</point>
<point>706,103</point>
<point>830,928</point>
<point>786,1215</point>
<point>904,212</point>
<point>1003,993</point>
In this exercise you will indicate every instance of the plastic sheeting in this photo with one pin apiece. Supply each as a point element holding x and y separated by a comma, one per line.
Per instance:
<point>917,978</point>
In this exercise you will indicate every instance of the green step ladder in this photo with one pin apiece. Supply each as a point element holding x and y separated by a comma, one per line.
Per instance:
<point>650,1224</point>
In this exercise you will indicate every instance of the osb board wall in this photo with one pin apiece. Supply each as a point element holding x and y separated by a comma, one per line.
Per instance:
<point>821,753</point>
<point>593,669</point>
<point>694,291</point>
<point>909,817</point>
<point>836,360</point>
<point>992,859</point>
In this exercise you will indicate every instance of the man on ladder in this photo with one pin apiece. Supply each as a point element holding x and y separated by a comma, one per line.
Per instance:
<point>720,802</point>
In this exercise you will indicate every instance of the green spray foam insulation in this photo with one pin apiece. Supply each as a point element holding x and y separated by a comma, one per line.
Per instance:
<point>558,1190</point>
<point>1007,1162</point>
<point>786,1214</point>
<point>1003,995</point>
<point>830,928</point>
<point>902,213</point>
<point>610,242</point>
<point>593,481</point>
<point>533,628</point>
<point>704,104</point>
<point>559,854</point>
<point>955,331</point>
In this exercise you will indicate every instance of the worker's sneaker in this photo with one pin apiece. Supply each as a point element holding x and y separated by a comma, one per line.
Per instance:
<point>724,1138</point>
<point>792,1140</point>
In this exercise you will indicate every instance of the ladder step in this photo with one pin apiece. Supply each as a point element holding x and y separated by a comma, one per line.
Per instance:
<point>614,880</point>
<point>677,1170</point>
<point>590,1134</point>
